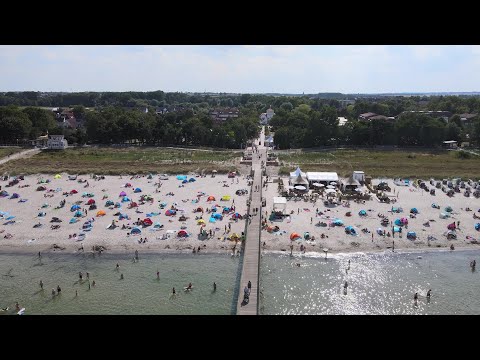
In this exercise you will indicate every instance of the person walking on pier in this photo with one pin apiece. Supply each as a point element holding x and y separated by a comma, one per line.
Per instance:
<point>249,286</point>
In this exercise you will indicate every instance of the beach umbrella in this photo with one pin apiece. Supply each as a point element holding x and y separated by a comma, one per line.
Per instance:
<point>163,203</point>
<point>338,222</point>
<point>192,180</point>
<point>101,213</point>
<point>226,197</point>
<point>300,187</point>
<point>477,226</point>
<point>4,193</point>
<point>182,233</point>
<point>330,187</point>
<point>411,235</point>
<point>350,230</point>
<point>75,207</point>
<point>58,176</point>
<point>294,236</point>
<point>170,212</point>
<point>234,236</point>
<point>199,209</point>
<point>362,213</point>
<point>333,183</point>
<point>236,216</point>
<point>147,222</point>
<point>137,190</point>
<point>211,198</point>
<point>184,181</point>
<point>330,191</point>
<point>73,192</point>
<point>413,211</point>
<point>181,177</point>
<point>214,171</point>
<point>109,203</point>
<point>404,221</point>
<point>318,185</point>
<point>451,226</point>
<point>42,214</point>
<point>380,231</point>
<point>73,220</point>
<point>212,219</point>
<point>358,190</point>
<point>14,196</point>
<point>448,209</point>
<point>217,216</point>
<point>398,222</point>
<point>201,221</point>
<point>136,230</point>
<point>122,194</point>
<point>306,235</point>
<point>157,225</point>
<point>78,213</point>
<point>90,202</point>
<point>128,185</point>
<point>397,229</point>
<point>125,199</point>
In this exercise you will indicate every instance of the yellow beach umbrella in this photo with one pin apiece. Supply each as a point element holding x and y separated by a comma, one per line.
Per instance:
<point>201,221</point>
<point>58,176</point>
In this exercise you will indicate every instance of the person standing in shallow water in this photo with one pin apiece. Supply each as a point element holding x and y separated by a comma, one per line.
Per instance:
<point>415,299</point>
<point>214,286</point>
<point>41,284</point>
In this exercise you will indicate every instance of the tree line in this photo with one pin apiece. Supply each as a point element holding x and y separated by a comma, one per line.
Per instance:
<point>304,126</point>
<point>116,125</point>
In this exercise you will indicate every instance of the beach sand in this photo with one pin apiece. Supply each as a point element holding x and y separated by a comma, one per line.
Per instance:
<point>117,240</point>
<point>338,241</point>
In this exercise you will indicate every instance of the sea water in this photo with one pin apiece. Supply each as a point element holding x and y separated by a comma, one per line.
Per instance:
<point>140,292</point>
<point>379,283</point>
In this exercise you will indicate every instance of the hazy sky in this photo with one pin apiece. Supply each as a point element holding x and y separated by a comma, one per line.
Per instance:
<point>241,68</point>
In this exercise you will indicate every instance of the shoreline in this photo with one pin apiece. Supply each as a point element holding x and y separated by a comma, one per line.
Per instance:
<point>118,251</point>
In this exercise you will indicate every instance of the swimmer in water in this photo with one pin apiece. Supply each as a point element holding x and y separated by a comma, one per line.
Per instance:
<point>121,276</point>
<point>158,275</point>
<point>41,284</point>
<point>173,291</point>
<point>214,286</point>
<point>189,287</point>
<point>428,295</point>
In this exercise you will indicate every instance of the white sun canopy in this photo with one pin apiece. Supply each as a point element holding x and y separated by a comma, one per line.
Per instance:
<point>322,176</point>
<point>279,204</point>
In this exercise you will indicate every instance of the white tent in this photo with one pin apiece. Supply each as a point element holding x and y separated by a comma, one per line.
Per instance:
<point>280,204</point>
<point>322,177</point>
<point>296,173</point>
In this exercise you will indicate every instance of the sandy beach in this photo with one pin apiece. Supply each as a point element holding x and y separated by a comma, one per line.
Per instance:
<point>303,218</point>
<point>27,238</point>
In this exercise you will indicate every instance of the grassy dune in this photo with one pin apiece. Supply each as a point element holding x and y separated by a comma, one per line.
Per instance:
<point>439,164</point>
<point>109,161</point>
<point>9,151</point>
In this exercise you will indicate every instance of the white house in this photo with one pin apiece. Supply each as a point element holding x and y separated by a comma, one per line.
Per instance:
<point>56,142</point>
<point>270,113</point>
<point>266,116</point>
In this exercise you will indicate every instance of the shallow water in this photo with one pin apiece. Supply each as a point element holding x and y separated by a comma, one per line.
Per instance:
<point>138,293</point>
<point>382,283</point>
